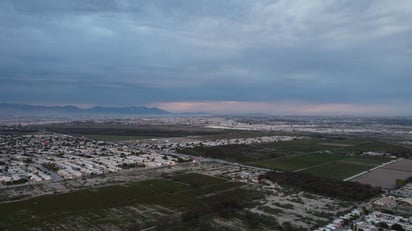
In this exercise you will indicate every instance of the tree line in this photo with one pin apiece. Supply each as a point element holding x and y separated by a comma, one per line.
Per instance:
<point>233,152</point>
<point>324,186</point>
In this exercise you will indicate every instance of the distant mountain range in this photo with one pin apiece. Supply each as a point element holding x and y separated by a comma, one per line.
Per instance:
<point>37,110</point>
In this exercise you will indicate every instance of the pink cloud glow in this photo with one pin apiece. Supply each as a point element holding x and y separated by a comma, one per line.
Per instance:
<point>275,108</point>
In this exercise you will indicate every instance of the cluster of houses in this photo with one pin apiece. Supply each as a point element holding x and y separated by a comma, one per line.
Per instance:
<point>48,156</point>
<point>341,222</point>
<point>168,145</point>
<point>378,154</point>
<point>383,221</point>
<point>404,192</point>
<point>397,201</point>
<point>243,174</point>
<point>15,174</point>
<point>395,205</point>
<point>388,213</point>
<point>324,126</point>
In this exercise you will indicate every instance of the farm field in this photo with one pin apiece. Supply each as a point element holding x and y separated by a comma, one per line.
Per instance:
<point>119,132</point>
<point>115,138</point>
<point>331,158</point>
<point>344,168</point>
<point>386,176</point>
<point>198,180</point>
<point>127,203</point>
<point>293,163</point>
<point>333,166</point>
<point>259,154</point>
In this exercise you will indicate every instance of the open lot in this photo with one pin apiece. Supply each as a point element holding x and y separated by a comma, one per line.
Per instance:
<point>386,176</point>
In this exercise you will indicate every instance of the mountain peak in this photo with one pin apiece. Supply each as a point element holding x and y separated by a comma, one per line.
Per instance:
<point>24,109</point>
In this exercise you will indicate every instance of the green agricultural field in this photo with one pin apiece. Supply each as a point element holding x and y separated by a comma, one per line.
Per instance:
<point>48,207</point>
<point>96,205</point>
<point>343,168</point>
<point>114,138</point>
<point>198,180</point>
<point>255,153</point>
<point>333,158</point>
<point>326,165</point>
<point>203,184</point>
<point>292,163</point>
<point>120,132</point>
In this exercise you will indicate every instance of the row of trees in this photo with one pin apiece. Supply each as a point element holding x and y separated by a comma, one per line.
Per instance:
<point>138,131</point>
<point>402,182</point>
<point>232,152</point>
<point>323,186</point>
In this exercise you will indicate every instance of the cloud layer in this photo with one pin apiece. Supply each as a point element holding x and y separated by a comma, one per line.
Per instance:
<point>120,52</point>
<point>279,108</point>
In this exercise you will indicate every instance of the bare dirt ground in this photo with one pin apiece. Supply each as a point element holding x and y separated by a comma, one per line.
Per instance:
<point>304,210</point>
<point>386,176</point>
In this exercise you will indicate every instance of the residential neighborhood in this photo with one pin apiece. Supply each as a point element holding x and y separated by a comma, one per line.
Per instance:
<point>48,156</point>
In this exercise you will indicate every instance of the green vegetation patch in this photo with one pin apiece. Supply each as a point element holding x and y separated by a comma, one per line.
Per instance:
<point>333,166</point>
<point>160,192</point>
<point>114,138</point>
<point>266,151</point>
<point>333,158</point>
<point>324,186</point>
<point>292,163</point>
<point>253,152</point>
<point>337,170</point>
<point>51,166</point>
<point>198,180</point>
<point>215,188</point>
<point>187,191</point>
<point>118,132</point>
<point>348,167</point>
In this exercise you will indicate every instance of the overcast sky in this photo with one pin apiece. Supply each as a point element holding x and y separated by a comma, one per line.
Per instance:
<point>280,57</point>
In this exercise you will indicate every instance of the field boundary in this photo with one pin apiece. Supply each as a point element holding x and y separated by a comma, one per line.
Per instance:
<point>370,170</point>
<point>314,166</point>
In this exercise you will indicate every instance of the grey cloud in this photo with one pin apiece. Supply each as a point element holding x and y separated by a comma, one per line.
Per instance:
<point>321,51</point>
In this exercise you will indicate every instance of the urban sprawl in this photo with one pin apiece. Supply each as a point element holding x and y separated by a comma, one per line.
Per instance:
<point>47,157</point>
